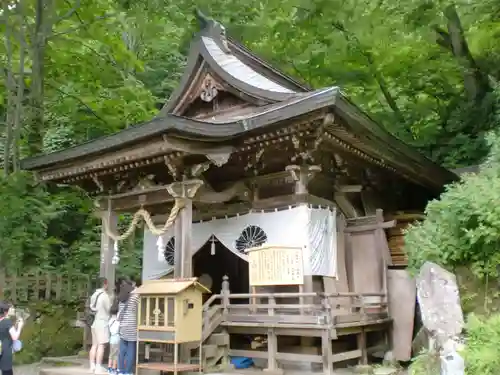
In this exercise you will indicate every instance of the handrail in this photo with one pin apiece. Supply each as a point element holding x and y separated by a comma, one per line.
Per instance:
<point>212,313</point>
<point>295,295</point>
<point>211,300</point>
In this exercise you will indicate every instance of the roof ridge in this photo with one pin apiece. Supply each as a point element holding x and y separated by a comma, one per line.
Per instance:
<point>207,23</point>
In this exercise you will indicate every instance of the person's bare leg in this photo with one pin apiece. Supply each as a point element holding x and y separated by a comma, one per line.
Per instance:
<point>92,356</point>
<point>99,354</point>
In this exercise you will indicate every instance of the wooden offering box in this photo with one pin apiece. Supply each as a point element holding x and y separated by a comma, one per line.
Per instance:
<point>170,313</point>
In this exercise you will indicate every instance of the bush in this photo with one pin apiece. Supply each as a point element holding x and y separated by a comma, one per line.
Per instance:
<point>49,333</point>
<point>463,226</point>
<point>482,355</point>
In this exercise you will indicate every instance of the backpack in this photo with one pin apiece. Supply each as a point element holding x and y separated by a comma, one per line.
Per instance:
<point>93,309</point>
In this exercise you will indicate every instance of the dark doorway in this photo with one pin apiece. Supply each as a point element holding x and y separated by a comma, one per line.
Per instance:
<point>222,262</point>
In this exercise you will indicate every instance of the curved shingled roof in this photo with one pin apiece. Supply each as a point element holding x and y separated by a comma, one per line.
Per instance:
<point>223,129</point>
<point>276,97</point>
<point>236,66</point>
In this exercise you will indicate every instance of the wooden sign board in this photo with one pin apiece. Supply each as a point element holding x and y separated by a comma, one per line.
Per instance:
<point>276,265</point>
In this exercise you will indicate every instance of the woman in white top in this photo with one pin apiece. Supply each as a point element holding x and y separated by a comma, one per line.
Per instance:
<point>100,304</point>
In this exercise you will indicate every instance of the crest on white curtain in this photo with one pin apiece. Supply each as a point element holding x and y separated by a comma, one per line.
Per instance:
<point>251,236</point>
<point>312,229</point>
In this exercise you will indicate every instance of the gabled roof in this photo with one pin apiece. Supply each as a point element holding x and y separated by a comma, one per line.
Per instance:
<point>235,65</point>
<point>169,286</point>
<point>270,97</point>
<point>224,127</point>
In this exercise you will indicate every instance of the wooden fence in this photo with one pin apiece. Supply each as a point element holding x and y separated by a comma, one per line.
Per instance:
<point>39,286</point>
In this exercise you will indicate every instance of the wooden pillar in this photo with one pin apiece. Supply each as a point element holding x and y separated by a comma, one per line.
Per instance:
<point>302,175</point>
<point>183,225</point>
<point>326,339</point>
<point>225,291</point>
<point>107,268</point>
<point>184,190</point>
<point>272,341</point>
<point>361,343</point>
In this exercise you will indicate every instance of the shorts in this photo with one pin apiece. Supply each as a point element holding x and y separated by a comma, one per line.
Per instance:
<point>100,335</point>
<point>114,350</point>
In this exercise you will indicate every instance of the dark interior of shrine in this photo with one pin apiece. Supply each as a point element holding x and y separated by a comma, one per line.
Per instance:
<point>221,262</point>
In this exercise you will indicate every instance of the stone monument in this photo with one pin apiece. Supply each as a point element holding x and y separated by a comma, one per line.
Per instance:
<point>442,316</point>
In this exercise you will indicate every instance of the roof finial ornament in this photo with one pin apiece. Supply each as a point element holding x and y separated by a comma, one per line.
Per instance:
<point>212,28</point>
<point>203,20</point>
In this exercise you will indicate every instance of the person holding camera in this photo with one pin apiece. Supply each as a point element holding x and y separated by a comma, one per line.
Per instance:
<point>9,333</point>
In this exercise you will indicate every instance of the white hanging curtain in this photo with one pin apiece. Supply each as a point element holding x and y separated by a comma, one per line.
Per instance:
<point>312,229</point>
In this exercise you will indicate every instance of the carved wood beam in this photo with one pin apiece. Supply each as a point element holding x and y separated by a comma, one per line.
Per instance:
<point>184,189</point>
<point>163,194</point>
<point>149,199</point>
<point>167,149</point>
<point>218,155</point>
<point>106,165</point>
<point>239,189</point>
<point>302,175</point>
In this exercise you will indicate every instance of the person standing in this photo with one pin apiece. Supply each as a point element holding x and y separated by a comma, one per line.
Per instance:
<point>114,339</point>
<point>8,334</point>
<point>100,305</point>
<point>129,302</point>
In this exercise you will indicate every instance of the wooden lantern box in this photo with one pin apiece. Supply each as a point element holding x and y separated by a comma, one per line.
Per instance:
<point>170,313</point>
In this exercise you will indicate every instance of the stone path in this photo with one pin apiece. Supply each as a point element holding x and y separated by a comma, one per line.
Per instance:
<point>32,369</point>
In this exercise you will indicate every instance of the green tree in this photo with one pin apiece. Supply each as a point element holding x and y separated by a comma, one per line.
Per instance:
<point>462,228</point>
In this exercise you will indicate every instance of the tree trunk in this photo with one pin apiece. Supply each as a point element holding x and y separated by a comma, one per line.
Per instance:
<point>476,82</point>
<point>10,86</point>
<point>35,122</point>
<point>17,126</point>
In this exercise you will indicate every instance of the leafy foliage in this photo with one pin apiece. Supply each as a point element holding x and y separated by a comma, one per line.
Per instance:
<point>74,71</point>
<point>50,333</point>
<point>462,228</point>
<point>27,209</point>
<point>481,354</point>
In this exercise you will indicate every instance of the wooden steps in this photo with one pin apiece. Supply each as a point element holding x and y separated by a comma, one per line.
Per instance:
<point>215,352</point>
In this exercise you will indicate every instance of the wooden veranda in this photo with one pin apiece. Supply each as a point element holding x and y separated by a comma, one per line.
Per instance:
<point>330,316</point>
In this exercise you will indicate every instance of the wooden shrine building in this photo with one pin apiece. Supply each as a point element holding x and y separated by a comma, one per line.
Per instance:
<point>237,137</point>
